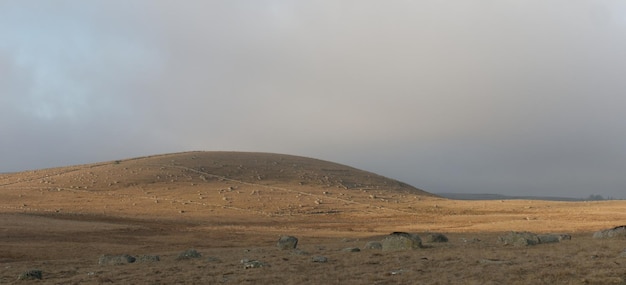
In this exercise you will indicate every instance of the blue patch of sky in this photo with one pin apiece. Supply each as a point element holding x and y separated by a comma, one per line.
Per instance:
<point>69,61</point>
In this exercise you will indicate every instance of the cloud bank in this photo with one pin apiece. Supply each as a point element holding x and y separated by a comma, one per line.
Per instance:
<point>511,97</point>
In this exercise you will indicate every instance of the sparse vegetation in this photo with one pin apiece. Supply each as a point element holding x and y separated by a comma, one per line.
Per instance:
<point>134,208</point>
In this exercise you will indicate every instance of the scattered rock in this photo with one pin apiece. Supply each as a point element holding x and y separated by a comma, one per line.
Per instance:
<point>401,241</point>
<point>148,258</point>
<point>519,239</point>
<point>253,264</point>
<point>287,242</point>
<point>623,253</point>
<point>472,240</point>
<point>116,259</point>
<point>373,245</point>
<point>188,254</point>
<point>614,233</point>
<point>351,249</point>
<point>436,237</point>
<point>31,275</point>
<point>320,259</point>
<point>564,237</point>
<point>396,272</point>
<point>549,238</point>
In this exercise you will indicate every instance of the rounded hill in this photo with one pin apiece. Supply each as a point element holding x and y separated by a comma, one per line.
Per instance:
<point>192,182</point>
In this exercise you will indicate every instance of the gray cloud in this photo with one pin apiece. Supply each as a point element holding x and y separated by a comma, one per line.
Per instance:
<point>511,97</point>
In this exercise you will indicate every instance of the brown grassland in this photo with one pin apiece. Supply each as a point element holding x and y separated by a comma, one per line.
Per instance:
<point>231,206</point>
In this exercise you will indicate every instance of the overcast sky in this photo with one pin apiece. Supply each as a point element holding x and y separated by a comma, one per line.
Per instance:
<point>512,97</point>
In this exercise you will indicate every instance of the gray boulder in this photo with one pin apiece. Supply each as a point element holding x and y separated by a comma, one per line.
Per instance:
<point>549,238</point>
<point>188,254</point>
<point>373,245</point>
<point>563,237</point>
<point>320,259</point>
<point>436,237</point>
<point>519,239</point>
<point>148,258</point>
<point>614,233</point>
<point>351,249</point>
<point>401,241</point>
<point>116,259</point>
<point>247,264</point>
<point>287,242</point>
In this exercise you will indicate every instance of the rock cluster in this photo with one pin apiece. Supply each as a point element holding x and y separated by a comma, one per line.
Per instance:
<point>528,238</point>
<point>188,254</point>
<point>613,233</point>
<point>401,241</point>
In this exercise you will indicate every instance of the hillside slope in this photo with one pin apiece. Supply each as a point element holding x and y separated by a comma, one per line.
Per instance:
<point>201,183</point>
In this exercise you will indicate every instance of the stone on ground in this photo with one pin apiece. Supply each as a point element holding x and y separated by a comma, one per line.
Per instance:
<point>401,241</point>
<point>614,233</point>
<point>351,249</point>
<point>188,254</point>
<point>436,237</point>
<point>519,239</point>
<point>287,242</point>
<point>148,258</point>
<point>373,245</point>
<point>320,259</point>
<point>549,238</point>
<point>247,264</point>
<point>116,259</point>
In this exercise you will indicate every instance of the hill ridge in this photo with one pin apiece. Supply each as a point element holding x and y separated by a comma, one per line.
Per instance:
<point>200,181</point>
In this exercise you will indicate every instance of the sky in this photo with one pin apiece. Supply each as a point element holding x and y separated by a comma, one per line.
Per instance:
<point>468,96</point>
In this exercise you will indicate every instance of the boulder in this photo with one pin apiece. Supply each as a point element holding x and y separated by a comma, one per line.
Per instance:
<point>247,264</point>
<point>564,237</point>
<point>549,238</point>
<point>148,258</point>
<point>373,245</point>
<point>287,242</point>
<point>519,239</point>
<point>436,237</point>
<point>401,241</point>
<point>320,259</point>
<point>614,233</point>
<point>116,259</point>
<point>351,249</point>
<point>188,254</point>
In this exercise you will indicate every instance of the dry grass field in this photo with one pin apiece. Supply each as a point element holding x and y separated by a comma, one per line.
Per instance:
<point>231,206</point>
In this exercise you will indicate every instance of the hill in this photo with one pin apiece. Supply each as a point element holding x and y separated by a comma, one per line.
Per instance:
<point>233,206</point>
<point>197,183</point>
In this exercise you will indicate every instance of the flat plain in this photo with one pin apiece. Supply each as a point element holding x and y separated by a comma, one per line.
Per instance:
<point>234,206</point>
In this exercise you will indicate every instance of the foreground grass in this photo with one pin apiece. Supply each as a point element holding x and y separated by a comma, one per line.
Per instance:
<point>466,259</point>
